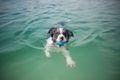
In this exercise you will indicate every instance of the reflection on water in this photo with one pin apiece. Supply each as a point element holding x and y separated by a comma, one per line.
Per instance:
<point>95,47</point>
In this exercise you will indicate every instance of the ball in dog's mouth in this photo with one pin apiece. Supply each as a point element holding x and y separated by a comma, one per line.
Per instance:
<point>60,43</point>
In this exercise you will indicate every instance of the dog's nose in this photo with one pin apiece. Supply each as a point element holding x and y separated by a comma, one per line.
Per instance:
<point>61,38</point>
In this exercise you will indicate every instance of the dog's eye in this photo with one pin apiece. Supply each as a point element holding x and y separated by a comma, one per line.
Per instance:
<point>64,33</point>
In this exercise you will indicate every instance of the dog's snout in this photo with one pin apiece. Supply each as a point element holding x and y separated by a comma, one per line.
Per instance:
<point>61,38</point>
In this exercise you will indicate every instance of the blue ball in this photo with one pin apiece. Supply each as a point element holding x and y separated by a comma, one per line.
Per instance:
<point>60,43</point>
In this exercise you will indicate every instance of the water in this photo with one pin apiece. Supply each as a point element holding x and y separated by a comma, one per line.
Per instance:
<point>95,46</point>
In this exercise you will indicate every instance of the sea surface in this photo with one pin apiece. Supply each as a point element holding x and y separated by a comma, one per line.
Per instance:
<point>95,46</point>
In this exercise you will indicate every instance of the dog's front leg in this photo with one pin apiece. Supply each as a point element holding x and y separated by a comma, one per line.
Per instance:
<point>48,45</point>
<point>47,49</point>
<point>69,60</point>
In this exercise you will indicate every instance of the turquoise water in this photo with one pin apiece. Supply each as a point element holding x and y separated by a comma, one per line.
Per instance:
<point>95,46</point>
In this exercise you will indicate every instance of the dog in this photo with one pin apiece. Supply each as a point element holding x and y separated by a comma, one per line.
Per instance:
<point>58,33</point>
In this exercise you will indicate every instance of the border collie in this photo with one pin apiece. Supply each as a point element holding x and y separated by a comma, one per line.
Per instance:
<point>59,36</point>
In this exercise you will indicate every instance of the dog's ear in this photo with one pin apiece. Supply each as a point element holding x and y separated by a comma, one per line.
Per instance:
<point>51,31</point>
<point>70,33</point>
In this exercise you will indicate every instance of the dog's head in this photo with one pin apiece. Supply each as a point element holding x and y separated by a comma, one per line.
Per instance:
<point>60,34</point>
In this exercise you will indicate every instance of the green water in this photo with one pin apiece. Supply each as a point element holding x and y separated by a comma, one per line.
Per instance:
<point>95,47</point>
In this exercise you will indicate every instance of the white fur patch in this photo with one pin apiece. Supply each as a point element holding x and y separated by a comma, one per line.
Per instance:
<point>61,35</point>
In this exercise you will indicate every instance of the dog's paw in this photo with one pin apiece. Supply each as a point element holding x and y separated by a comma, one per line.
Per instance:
<point>71,63</point>
<point>48,54</point>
